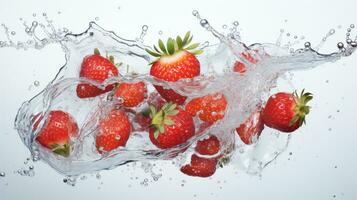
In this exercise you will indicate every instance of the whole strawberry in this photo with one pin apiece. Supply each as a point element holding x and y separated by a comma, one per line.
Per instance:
<point>251,128</point>
<point>56,132</point>
<point>114,131</point>
<point>286,111</point>
<point>209,108</point>
<point>132,93</point>
<point>175,61</point>
<point>171,126</point>
<point>96,68</point>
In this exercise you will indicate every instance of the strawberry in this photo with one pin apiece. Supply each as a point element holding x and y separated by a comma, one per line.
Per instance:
<point>143,120</point>
<point>56,132</point>
<point>209,108</point>
<point>114,131</point>
<point>286,111</point>
<point>97,68</point>
<point>251,128</point>
<point>208,146</point>
<point>201,167</point>
<point>240,67</point>
<point>132,93</point>
<point>171,126</point>
<point>176,61</point>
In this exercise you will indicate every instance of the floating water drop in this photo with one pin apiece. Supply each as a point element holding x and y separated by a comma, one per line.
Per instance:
<point>340,45</point>
<point>195,13</point>
<point>36,83</point>
<point>235,23</point>
<point>204,23</point>
<point>2,174</point>
<point>160,32</point>
<point>307,45</point>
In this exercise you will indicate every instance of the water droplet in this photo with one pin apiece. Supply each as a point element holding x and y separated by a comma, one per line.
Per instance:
<point>349,30</point>
<point>195,13</point>
<point>224,26</point>
<point>2,174</point>
<point>144,28</point>
<point>36,83</point>
<point>160,32</point>
<point>34,14</point>
<point>34,23</point>
<point>204,23</point>
<point>288,34</point>
<point>96,18</point>
<point>352,26</point>
<point>307,44</point>
<point>340,45</point>
<point>348,41</point>
<point>332,31</point>
<point>13,33</point>
<point>235,23</point>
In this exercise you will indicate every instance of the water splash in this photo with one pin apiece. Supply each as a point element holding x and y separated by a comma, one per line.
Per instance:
<point>243,93</point>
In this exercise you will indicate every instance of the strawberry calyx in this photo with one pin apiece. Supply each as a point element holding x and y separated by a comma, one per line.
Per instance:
<point>174,46</point>
<point>110,58</point>
<point>301,108</point>
<point>61,149</point>
<point>162,117</point>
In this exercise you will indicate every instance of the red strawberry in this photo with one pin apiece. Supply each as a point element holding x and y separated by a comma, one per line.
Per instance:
<point>132,93</point>
<point>251,128</point>
<point>114,131</point>
<point>201,167</point>
<point>175,62</point>
<point>96,68</point>
<point>55,134</point>
<point>286,111</point>
<point>208,146</point>
<point>239,66</point>
<point>209,108</point>
<point>171,126</point>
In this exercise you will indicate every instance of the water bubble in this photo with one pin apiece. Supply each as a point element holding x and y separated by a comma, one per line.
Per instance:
<point>160,32</point>
<point>13,33</point>
<point>332,31</point>
<point>349,30</point>
<point>34,23</point>
<point>348,41</point>
<point>352,26</point>
<point>2,174</point>
<point>353,44</point>
<point>235,23</point>
<point>348,34</point>
<point>195,13</point>
<point>224,26</point>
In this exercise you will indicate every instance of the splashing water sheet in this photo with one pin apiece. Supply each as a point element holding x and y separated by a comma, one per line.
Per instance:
<point>284,63</point>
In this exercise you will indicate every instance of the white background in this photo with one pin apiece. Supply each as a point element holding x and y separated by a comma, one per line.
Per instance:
<point>323,162</point>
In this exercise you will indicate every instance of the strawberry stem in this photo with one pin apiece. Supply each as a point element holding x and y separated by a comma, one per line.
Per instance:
<point>301,108</point>
<point>175,45</point>
<point>162,117</point>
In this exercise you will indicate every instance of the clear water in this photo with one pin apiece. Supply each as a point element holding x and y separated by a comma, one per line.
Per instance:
<point>243,93</point>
